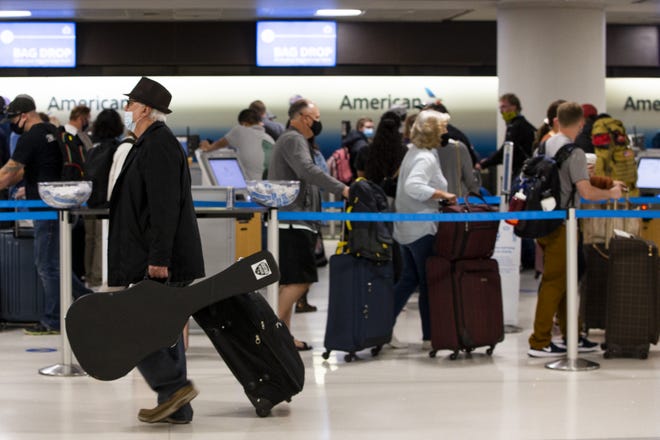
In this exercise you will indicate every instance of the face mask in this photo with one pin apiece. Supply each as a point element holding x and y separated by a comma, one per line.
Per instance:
<point>444,139</point>
<point>16,128</point>
<point>316,128</point>
<point>368,132</point>
<point>85,127</point>
<point>128,121</point>
<point>508,116</point>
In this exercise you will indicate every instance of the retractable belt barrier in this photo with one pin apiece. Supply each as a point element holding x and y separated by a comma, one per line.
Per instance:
<point>572,363</point>
<point>46,213</point>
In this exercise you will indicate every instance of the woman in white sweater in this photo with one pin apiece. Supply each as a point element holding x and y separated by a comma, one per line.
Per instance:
<point>421,185</point>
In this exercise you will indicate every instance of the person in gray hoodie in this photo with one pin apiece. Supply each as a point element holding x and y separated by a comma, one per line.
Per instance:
<point>292,159</point>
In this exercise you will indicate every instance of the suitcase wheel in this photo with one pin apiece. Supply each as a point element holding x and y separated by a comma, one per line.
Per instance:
<point>432,353</point>
<point>326,355</point>
<point>490,350</point>
<point>350,357</point>
<point>644,355</point>
<point>376,350</point>
<point>607,354</point>
<point>261,406</point>
<point>453,356</point>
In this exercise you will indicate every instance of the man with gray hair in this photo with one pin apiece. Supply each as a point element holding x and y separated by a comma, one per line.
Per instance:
<point>154,233</point>
<point>292,159</point>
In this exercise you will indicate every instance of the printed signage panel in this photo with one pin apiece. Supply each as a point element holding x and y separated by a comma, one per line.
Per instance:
<point>37,44</point>
<point>296,43</point>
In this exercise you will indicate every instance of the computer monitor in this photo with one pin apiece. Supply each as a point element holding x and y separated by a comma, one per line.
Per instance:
<point>226,171</point>
<point>648,174</point>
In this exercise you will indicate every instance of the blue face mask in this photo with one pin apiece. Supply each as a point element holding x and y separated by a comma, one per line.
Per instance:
<point>368,132</point>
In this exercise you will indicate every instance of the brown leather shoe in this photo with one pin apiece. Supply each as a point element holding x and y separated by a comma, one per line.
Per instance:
<point>162,412</point>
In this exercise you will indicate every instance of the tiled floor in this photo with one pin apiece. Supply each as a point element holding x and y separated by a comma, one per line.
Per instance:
<point>403,394</point>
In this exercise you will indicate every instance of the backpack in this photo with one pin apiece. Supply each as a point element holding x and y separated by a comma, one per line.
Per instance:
<point>97,169</point>
<point>615,158</point>
<point>73,155</point>
<point>370,240</point>
<point>339,165</point>
<point>539,180</point>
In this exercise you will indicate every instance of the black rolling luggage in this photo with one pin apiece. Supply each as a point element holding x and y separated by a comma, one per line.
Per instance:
<point>21,292</point>
<point>593,294</point>
<point>360,307</point>
<point>257,347</point>
<point>632,298</point>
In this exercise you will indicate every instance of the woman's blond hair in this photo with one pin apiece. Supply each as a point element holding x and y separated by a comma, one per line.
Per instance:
<point>428,128</point>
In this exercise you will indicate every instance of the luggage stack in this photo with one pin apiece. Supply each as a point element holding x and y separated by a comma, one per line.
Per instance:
<point>361,297</point>
<point>465,292</point>
<point>633,305</point>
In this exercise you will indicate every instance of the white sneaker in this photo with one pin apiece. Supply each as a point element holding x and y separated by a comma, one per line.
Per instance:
<point>426,345</point>
<point>396,344</point>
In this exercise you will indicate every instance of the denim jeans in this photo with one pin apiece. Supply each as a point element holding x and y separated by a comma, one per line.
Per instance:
<point>47,261</point>
<point>413,275</point>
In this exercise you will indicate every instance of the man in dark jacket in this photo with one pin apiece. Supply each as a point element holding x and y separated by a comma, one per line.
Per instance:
<point>518,130</point>
<point>154,233</point>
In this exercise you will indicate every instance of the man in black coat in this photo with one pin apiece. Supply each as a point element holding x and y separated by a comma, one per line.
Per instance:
<point>154,233</point>
<point>518,130</point>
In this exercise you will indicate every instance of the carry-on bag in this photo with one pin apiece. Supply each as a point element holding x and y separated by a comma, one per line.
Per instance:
<point>593,290</point>
<point>21,291</point>
<point>632,298</point>
<point>466,240</point>
<point>360,306</point>
<point>465,299</point>
<point>257,347</point>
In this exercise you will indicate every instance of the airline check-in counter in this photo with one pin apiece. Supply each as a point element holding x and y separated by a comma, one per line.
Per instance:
<point>224,240</point>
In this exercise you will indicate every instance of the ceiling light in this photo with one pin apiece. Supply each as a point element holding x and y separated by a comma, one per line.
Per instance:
<point>338,12</point>
<point>15,14</point>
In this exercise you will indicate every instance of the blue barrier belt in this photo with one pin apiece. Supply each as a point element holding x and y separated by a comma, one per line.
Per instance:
<point>28,215</point>
<point>370,217</point>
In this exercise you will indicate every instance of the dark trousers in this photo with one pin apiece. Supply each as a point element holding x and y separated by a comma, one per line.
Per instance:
<point>413,275</point>
<point>165,372</point>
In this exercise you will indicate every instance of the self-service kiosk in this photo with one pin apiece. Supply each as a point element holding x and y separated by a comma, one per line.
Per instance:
<point>648,182</point>
<point>230,239</point>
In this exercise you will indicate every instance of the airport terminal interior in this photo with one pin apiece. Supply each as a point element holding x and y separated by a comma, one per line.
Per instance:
<point>217,56</point>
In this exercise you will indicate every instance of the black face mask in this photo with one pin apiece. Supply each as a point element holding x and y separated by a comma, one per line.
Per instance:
<point>444,139</point>
<point>316,128</point>
<point>16,128</point>
<point>85,127</point>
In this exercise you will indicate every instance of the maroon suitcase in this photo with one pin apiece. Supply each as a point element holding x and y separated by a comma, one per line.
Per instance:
<point>465,299</point>
<point>466,240</point>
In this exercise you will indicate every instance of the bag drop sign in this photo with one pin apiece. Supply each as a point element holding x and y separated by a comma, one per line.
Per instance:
<point>296,43</point>
<point>37,44</point>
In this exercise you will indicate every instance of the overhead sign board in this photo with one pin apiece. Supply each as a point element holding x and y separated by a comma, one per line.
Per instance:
<point>296,43</point>
<point>32,44</point>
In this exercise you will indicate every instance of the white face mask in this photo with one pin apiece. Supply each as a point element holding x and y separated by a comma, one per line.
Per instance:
<point>128,121</point>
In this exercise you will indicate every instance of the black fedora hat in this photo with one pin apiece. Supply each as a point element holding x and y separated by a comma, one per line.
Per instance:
<point>151,93</point>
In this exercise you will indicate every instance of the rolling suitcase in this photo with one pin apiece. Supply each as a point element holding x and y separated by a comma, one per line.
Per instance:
<point>594,286</point>
<point>632,298</point>
<point>21,292</point>
<point>465,298</point>
<point>257,347</point>
<point>466,240</point>
<point>360,307</point>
